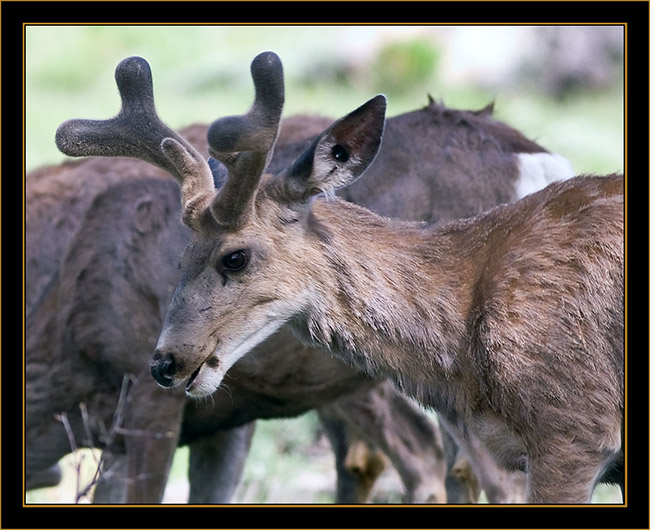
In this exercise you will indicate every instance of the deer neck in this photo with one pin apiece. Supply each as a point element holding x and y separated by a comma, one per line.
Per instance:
<point>392,297</point>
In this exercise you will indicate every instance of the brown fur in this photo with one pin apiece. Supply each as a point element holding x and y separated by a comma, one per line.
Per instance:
<point>507,171</point>
<point>503,323</point>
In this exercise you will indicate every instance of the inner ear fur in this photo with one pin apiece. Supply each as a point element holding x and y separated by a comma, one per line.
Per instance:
<point>340,155</point>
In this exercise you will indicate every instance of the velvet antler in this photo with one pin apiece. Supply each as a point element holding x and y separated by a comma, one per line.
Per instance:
<point>245,143</point>
<point>138,132</point>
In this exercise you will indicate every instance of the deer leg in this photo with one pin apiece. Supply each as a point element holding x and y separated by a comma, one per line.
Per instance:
<point>462,488</point>
<point>216,464</point>
<point>152,423</point>
<point>566,475</point>
<point>46,478</point>
<point>350,486</point>
<point>366,464</point>
<point>45,445</point>
<point>411,441</point>
<point>501,486</point>
<point>111,485</point>
<point>615,473</point>
<point>463,473</point>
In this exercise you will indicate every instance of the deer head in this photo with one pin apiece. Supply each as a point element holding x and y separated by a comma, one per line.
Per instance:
<point>242,273</point>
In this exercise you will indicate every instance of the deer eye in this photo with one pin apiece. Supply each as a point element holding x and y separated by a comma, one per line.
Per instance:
<point>340,153</point>
<point>235,261</point>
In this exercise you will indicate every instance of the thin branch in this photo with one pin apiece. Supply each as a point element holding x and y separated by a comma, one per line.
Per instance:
<point>107,437</point>
<point>77,458</point>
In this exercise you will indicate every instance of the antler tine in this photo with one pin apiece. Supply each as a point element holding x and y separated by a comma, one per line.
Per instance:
<point>138,132</point>
<point>245,143</point>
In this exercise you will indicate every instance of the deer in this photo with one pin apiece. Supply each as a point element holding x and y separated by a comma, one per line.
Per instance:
<point>503,323</point>
<point>58,196</point>
<point>82,300</point>
<point>101,317</point>
<point>511,322</point>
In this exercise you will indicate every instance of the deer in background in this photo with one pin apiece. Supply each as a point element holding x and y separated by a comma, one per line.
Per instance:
<point>96,329</point>
<point>509,324</point>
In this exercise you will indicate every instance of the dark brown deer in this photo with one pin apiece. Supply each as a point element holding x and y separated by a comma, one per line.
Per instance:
<point>102,324</point>
<point>90,325</point>
<point>510,323</point>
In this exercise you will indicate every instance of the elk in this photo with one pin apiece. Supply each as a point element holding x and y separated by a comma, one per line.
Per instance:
<point>509,324</point>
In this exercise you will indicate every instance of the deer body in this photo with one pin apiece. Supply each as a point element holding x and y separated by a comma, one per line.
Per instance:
<point>509,323</point>
<point>429,303</point>
<point>505,323</point>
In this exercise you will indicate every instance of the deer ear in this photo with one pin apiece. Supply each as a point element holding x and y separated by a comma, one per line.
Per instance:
<point>340,154</point>
<point>219,172</point>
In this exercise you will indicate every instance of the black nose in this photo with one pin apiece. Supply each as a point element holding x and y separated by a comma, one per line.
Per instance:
<point>163,368</point>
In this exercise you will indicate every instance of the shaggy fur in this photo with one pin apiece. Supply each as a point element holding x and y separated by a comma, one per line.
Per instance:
<point>510,323</point>
<point>320,234</point>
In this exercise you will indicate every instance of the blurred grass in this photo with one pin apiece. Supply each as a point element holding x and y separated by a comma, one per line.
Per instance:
<point>202,72</point>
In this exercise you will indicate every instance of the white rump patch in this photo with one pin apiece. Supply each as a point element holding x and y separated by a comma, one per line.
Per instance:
<point>538,170</point>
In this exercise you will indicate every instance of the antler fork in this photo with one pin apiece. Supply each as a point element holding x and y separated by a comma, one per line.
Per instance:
<point>245,143</point>
<point>138,132</point>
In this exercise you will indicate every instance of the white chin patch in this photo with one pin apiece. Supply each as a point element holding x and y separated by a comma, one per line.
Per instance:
<point>538,170</point>
<point>205,381</point>
<point>208,377</point>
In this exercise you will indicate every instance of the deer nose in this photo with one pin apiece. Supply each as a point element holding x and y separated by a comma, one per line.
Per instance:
<point>163,368</point>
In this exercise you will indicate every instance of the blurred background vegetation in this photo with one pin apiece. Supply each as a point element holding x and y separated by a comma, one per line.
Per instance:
<point>563,86</point>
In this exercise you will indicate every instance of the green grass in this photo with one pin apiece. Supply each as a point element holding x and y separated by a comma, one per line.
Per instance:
<point>202,72</point>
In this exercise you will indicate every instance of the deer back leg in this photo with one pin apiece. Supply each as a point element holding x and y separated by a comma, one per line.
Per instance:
<point>410,440</point>
<point>461,482</point>
<point>111,485</point>
<point>366,463</point>
<point>615,473</point>
<point>566,475</point>
<point>44,479</point>
<point>500,485</point>
<point>351,488</point>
